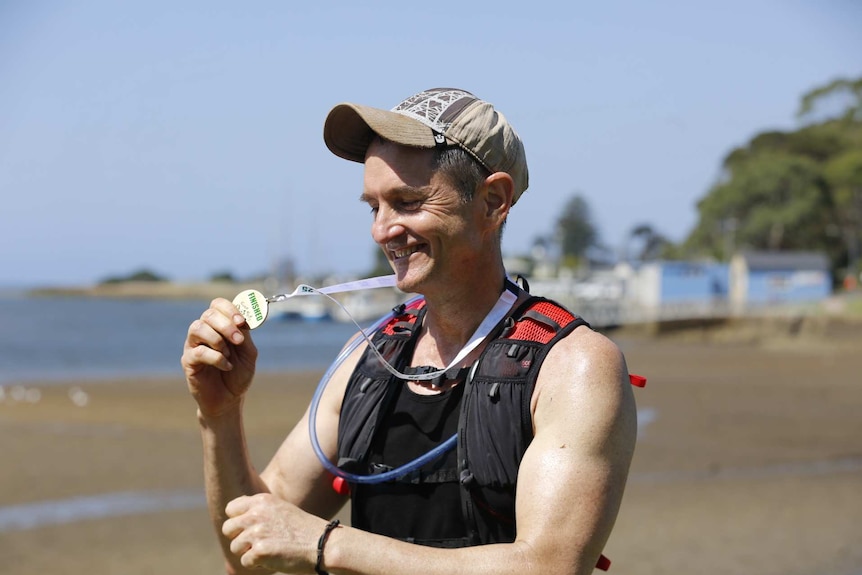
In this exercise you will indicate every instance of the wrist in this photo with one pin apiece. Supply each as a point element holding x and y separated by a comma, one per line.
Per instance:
<point>228,415</point>
<point>319,566</point>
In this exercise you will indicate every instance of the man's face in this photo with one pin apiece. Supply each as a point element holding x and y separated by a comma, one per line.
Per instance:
<point>426,231</point>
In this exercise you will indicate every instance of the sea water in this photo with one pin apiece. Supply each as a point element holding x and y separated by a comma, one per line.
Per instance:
<point>55,339</point>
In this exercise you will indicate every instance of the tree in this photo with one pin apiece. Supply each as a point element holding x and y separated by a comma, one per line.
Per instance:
<point>223,276</point>
<point>652,244</point>
<point>844,176</point>
<point>575,231</point>
<point>841,93</point>
<point>774,201</point>
<point>141,275</point>
<point>795,190</point>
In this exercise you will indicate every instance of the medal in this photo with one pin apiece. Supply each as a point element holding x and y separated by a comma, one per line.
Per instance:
<point>253,306</point>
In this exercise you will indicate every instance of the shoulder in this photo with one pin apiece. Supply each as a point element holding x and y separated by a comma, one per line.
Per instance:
<point>584,371</point>
<point>583,352</point>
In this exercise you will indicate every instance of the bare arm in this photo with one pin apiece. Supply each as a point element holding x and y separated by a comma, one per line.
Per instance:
<point>569,487</point>
<point>228,472</point>
<point>219,359</point>
<point>572,478</point>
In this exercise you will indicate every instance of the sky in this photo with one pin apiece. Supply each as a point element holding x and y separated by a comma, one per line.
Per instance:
<point>186,137</point>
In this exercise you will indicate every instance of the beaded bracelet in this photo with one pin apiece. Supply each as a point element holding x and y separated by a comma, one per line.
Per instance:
<point>320,543</point>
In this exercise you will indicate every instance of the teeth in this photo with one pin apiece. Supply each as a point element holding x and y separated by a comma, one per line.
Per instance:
<point>403,252</point>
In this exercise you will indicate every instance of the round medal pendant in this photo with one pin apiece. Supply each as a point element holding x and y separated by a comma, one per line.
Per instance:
<point>253,306</point>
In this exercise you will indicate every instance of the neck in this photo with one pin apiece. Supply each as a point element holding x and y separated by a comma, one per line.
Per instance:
<point>453,315</point>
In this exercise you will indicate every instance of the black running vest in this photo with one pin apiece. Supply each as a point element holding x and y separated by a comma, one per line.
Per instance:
<point>494,426</point>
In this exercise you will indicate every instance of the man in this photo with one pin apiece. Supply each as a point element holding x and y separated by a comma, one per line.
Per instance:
<point>536,481</point>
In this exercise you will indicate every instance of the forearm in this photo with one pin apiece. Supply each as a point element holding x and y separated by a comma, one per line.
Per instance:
<point>228,472</point>
<point>350,551</point>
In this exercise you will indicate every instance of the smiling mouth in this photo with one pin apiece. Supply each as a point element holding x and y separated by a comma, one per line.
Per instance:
<point>404,252</point>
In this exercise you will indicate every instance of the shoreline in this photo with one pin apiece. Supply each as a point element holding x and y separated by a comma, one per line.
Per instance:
<point>147,290</point>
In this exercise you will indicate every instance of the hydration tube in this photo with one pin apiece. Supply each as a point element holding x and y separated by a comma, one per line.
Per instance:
<point>315,403</point>
<point>254,307</point>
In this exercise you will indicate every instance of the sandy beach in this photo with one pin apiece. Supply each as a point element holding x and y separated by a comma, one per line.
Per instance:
<point>749,460</point>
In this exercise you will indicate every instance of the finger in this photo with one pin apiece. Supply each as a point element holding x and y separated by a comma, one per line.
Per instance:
<point>231,528</point>
<point>237,506</point>
<point>201,356</point>
<point>229,310</point>
<point>202,333</point>
<point>249,558</point>
<point>239,546</point>
<point>222,318</point>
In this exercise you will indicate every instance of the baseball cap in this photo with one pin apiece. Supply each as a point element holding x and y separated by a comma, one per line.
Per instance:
<point>433,118</point>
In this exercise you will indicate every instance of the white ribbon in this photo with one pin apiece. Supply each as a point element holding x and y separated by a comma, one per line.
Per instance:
<point>368,283</point>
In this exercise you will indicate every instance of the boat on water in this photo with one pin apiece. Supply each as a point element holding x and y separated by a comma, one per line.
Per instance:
<point>368,305</point>
<point>309,309</point>
<point>361,306</point>
<point>315,309</point>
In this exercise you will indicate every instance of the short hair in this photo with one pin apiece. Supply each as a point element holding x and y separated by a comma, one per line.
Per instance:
<point>463,170</point>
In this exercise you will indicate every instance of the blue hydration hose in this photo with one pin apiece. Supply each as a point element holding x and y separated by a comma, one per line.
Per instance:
<point>315,403</point>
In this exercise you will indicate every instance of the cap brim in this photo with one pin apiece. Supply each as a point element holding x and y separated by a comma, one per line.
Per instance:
<point>350,128</point>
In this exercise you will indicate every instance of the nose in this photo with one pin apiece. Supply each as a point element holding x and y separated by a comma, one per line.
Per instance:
<point>386,225</point>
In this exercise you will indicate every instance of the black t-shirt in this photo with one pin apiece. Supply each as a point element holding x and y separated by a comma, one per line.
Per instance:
<point>426,510</point>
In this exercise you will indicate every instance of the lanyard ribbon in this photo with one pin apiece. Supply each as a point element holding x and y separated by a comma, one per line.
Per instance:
<point>504,303</point>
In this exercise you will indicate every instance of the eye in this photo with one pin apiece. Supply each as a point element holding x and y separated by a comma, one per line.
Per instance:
<point>411,206</point>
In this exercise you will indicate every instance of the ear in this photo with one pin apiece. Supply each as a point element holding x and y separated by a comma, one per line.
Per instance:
<point>498,190</point>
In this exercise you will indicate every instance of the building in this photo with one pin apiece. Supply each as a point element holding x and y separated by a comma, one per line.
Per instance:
<point>767,278</point>
<point>670,289</point>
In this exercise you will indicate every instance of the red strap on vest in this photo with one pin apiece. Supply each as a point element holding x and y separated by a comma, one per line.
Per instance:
<point>603,563</point>
<point>403,318</point>
<point>340,486</point>
<point>637,380</point>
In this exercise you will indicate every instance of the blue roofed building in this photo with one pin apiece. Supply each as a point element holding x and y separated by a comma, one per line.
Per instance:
<point>768,278</point>
<point>680,288</point>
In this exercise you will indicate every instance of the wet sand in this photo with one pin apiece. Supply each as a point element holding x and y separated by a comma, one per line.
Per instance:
<point>749,461</point>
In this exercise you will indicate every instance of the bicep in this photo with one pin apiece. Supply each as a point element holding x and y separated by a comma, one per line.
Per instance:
<point>572,477</point>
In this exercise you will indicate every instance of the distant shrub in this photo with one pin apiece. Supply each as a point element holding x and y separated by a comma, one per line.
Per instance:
<point>224,277</point>
<point>143,275</point>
